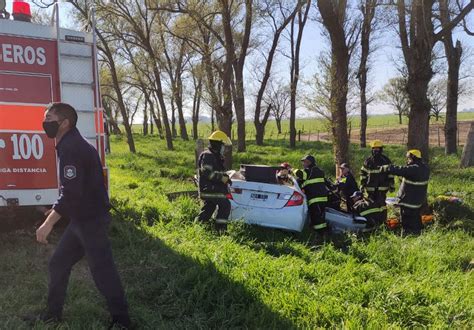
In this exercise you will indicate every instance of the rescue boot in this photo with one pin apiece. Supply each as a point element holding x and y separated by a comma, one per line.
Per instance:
<point>221,225</point>
<point>321,236</point>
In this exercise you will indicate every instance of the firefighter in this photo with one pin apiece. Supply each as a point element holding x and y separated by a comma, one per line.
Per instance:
<point>214,181</point>
<point>346,185</point>
<point>311,180</point>
<point>372,181</point>
<point>84,200</point>
<point>367,208</point>
<point>413,190</point>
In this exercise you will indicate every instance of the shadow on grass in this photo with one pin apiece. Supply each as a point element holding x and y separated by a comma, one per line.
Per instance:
<point>169,290</point>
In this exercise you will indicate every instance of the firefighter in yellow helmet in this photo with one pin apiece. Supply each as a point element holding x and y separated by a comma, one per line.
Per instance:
<point>214,181</point>
<point>412,193</point>
<point>372,181</point>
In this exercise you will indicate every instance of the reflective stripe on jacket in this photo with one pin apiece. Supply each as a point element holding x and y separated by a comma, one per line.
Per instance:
<point>414,187</point>
<point>211,170</point>
<point>314,185</point>
<point>372,178</point>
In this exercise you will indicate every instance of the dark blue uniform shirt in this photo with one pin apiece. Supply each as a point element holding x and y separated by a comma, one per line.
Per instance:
<point>82,194</point>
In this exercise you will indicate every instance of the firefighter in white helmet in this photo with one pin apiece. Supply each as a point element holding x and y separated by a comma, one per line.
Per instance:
<point>214,181</point>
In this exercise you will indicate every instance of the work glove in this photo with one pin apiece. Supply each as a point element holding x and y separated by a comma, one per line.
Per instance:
<point>225,179</point>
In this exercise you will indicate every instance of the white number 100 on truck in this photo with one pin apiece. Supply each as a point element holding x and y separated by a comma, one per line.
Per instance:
<point>38,65</point>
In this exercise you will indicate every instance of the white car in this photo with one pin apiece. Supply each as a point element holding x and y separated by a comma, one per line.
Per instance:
<point>276,205</point>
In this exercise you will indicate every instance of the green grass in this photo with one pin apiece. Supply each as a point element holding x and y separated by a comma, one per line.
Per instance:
<point>181,274</point>
<point>313,125</point>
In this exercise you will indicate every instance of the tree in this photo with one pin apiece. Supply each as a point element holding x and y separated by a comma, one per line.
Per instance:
<point>295,43</point>
<point>453,53</point>
<point>394,94</point>
<point>437,97</point>
<point>139,25</point>
<point>367,8</point>
<point>418,37</point>
<point>106,47</point>
<point>277,98</point>
<point>343,36</point>
<point>279,18</point>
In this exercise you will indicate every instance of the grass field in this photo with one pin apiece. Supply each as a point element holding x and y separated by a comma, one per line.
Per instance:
<point>181,274</point>
<point>313,125</point>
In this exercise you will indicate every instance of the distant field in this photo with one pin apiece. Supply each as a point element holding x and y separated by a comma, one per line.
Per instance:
<point>314,125</point>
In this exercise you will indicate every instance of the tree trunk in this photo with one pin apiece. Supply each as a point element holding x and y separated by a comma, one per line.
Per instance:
<point>453,55</point>
<point>400,117</point>
<point>239,104</point>
<point>363,118</point>
<point>145,120</point>
<point>259,134</point>
<point>333,17</point>
<point>295,68</point>
<point>156,118</point>
<point>110,118</point>
<point>161,100</point>
<point>467,158</point>
<point>368,11</point>
<point>419,117</point>
<point>196,107</point>
<point>173,118</point>
<point>278,123</point>
<point>121,105</point>
<point>179,104</point>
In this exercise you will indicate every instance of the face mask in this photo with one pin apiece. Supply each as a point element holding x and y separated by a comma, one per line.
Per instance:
<point>51,128</point>
<point>222,150</point>
<point>376,152</point>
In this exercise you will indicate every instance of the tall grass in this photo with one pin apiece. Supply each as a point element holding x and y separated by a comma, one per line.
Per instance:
<point>182,274</point>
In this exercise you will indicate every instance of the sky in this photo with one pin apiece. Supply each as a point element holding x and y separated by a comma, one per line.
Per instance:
<point>383,60</point>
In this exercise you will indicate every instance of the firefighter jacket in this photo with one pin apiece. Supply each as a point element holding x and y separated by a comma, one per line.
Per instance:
<point>413,189</point>
<point>211,172</point>
<point>369,210</point>
<point>83,195</point>
<point>371,177</point>
<point>347,185</point>
<point>313,183</point>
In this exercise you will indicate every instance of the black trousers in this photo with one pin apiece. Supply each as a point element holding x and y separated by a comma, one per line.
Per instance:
<point>379,197</point>
<point>87,238</point>
<point>316,216</point>
<point>210,205</point>
<point>411,220</point>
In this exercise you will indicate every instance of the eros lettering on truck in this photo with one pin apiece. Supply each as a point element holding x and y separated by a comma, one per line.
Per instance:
<point>38,65</point>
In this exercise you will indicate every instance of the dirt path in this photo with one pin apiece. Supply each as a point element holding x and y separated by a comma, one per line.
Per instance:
<point>397,135</point>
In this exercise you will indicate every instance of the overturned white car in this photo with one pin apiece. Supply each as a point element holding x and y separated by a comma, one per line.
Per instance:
<point>258,197</point>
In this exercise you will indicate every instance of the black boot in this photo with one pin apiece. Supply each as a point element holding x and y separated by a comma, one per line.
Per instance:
<point>120,322</point>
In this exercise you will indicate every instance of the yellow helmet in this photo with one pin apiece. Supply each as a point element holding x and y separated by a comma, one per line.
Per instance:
<point>221,137</point>
<point>415,152</point>
<point>376,144</point>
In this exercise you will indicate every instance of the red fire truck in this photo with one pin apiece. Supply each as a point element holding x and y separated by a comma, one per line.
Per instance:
<point>38,65</point>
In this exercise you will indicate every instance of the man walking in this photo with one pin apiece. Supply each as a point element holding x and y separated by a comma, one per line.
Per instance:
<point>84,200</point>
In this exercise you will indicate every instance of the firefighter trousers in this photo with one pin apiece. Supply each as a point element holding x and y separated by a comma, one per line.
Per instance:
<point>87,238</point>
<point>210,205</point>
<point>379,197</point>
<point>411,220</point>
<point>316,216</point>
